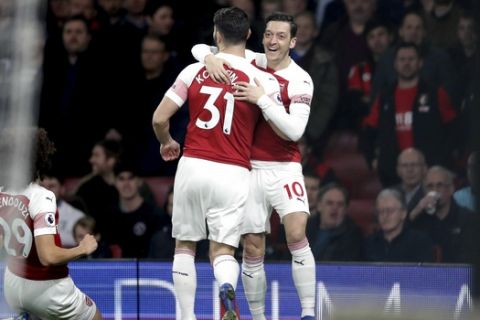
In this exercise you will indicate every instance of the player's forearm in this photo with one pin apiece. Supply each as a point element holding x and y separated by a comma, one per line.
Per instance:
<point>53,255</point>
<point>290,125</point>
<point>162,131</point>
<point>161,127</point>
<point>200,51</point>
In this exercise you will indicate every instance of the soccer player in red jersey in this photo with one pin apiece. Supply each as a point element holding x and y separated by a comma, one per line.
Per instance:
<point>212,179</point>
<point>276,180</point>
<point>36,278</point>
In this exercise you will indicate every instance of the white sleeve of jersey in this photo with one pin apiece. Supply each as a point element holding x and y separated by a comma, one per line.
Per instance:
<point>292,124</point>
<point>178,92</point>
<point>42,208</point>
<point>200,51</point>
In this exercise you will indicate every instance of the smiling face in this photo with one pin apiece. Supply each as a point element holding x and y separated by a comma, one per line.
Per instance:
<point>277,42</point>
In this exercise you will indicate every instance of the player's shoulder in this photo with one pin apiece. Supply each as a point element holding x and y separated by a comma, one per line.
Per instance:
<point>36,192</point>
<point>296,73</point>
<point>192,68</point>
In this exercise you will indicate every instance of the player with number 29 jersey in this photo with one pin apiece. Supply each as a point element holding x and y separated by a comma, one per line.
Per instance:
<point>22,217</point>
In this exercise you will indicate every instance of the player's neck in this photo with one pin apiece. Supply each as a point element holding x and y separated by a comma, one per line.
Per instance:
<point>279,65</point>
<point>236,50</point>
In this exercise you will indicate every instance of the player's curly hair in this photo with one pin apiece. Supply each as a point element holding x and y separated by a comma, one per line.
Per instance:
<point>43,150</point>
<point>39,155</point>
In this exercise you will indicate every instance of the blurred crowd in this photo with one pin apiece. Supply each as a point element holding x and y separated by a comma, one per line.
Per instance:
<point>402,76</point>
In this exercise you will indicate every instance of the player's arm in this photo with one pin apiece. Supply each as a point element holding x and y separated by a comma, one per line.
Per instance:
<point>216,66</point>
<point>291,125</point>
<point>50,254</point>
<point>169,148</point>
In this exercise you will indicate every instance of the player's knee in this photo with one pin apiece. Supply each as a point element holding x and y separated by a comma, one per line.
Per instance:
<point>253,245</point>
<point>295,236</point>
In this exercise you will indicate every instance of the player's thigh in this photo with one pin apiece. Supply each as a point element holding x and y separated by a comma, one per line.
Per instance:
<point>51,299</point>
<point>225,199</point>
<point>188,214</point>
<point>286,191</point>
<point>257,209</point>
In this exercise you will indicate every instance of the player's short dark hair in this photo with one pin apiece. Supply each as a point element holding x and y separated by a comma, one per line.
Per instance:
<point>284,17</point>
<point>407,45</point>
<point>332,186</point>
<point>233,24</point>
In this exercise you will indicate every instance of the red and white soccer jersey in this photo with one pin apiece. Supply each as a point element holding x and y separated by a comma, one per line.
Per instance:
<point>277,180</point>
<point>23,217</point>
<point>45,292</point>
<point>220,128</point>
<point>296,87</point>
<point>211,183</point>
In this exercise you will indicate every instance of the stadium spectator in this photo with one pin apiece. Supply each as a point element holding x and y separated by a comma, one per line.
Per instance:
<point>113,9</point>
<point>215,154</point>
<point>436,67</point>
<point>136,220</point>
<point>466,196</point>
<point>87,225</point>
<point>294,7</point>
<point>68,215</point>
<point>57,13</point>
<point>450,226</point>
<point>97,189</point>
<point>72,96</point>
<point>379,38</point>
<point>321,67</point>
<point>412,113</point>
<point>346,40</point>
<point>333,234</point>
<point>395,241</point>
<point>143,93</point>
<point>163,22</point>
<point>442,23</point>
<point>36,279</point>
<point>97,19</point>
<point>411,168</point>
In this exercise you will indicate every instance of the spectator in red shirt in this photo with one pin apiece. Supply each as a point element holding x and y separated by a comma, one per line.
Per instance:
<point>412,113</point>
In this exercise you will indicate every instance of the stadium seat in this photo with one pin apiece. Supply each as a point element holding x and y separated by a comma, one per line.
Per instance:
<point>159,187</point>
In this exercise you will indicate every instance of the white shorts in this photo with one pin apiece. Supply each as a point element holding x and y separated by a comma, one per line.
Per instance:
<point>273,185</point>
<point>212,192</point>
<point>47,299</point>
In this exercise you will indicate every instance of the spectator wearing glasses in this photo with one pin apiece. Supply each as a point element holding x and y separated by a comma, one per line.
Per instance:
<point>396,241</point>
<point>450,226</point>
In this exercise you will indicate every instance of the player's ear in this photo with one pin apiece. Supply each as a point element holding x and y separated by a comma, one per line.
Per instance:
<point>293,42</point>
<point>249,33</point>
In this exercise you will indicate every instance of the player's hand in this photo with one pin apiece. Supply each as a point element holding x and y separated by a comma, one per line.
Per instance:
<point>246,92</point>
<point>170,150</point>
<point>88,244</point>
<point>216,69</point>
